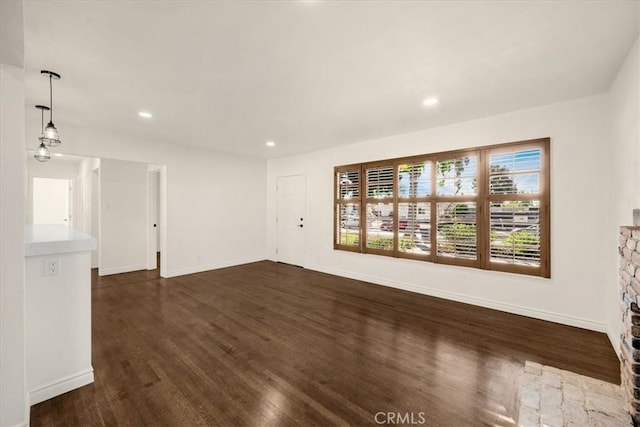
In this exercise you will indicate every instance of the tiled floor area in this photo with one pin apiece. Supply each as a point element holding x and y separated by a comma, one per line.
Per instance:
<point>552,397</point>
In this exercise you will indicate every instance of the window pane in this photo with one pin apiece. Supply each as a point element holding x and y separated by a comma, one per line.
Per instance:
<point>515,172</point>
<point>414,179</point>
<point>515,232</point>
<point>522,160</point>
<point>348,226</point>
<point>457,177</point>
<point>457,230</point>
<point>414,228</point>
<point>380,226</point>
<point>502,183</point>
<point>348,184</point>
<point>380,182</point>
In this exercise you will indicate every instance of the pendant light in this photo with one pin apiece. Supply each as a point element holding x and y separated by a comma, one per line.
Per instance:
<point>50,134</point>
<point>42,152</point>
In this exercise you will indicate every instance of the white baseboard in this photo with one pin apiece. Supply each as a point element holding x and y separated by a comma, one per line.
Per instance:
<point>27,408</point>
<point>207,267</point>
<point>118,270</point>
<point>615,342</point>
<point>60,386</point>
<point>482,302</point>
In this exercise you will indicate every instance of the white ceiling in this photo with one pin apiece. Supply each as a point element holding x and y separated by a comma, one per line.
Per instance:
<point>313,74</point>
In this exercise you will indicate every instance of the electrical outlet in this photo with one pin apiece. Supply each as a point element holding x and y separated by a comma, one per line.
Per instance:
<point>52,266</point>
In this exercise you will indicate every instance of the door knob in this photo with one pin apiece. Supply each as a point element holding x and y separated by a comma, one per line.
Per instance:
<point>300,225</point>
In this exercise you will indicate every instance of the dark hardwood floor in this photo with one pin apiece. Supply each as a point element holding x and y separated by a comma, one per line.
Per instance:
<point>270,344</point>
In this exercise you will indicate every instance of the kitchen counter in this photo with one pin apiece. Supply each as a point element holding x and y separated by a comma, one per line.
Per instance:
<point>47,239</point>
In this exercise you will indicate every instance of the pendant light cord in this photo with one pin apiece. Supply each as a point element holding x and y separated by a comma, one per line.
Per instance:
<point>50,99</point>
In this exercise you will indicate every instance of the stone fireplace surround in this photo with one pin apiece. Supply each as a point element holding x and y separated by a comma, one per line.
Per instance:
<point>629,250</point>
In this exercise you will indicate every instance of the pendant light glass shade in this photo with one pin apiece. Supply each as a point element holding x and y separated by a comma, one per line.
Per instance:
<point>42,153</point>
<point>50,134</point>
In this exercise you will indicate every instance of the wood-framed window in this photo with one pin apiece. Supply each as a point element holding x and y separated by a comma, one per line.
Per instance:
<point>485,207</point>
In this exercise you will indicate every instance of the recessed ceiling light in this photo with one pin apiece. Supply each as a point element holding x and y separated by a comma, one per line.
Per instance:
<point>145,114</point>
<point>430,101</point>
<point>270,144</point>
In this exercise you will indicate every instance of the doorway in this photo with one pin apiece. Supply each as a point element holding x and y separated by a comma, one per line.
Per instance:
<point>291,243</point>
<point>52,201</point>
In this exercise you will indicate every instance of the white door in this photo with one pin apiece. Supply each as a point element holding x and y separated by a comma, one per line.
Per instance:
<point>291,237</point>
<point>51,201</point>
<point>153,236</point>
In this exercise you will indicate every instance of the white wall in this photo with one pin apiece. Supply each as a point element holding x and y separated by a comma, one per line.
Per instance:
<point>123,216</point>
<point>13,401</point>
<point>624,184</point>
<point>54,168</point>
<point>573,295</point>
<point>85,190</point>
<point>88,204</point>
<point>214,209</point>
<point>58,325</point>
<point>95,215</point>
